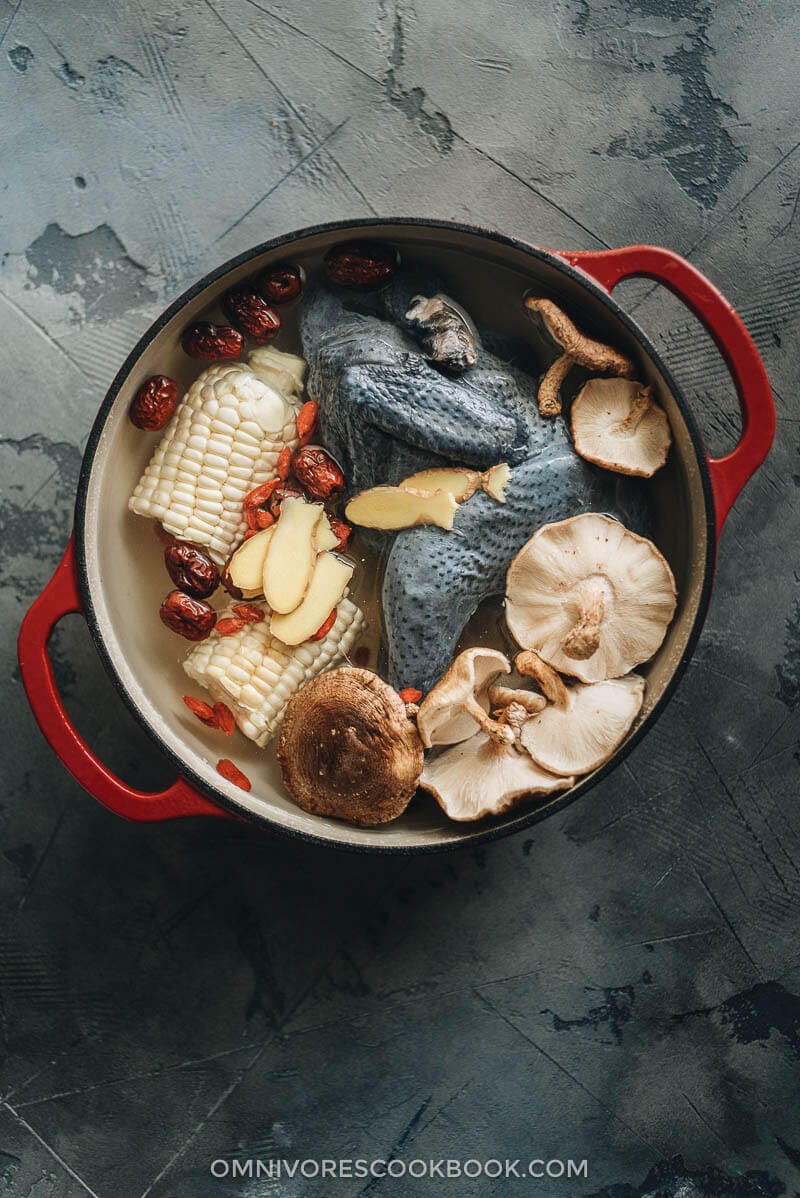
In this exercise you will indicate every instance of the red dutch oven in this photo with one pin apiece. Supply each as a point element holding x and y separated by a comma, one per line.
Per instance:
<point>112,570</point>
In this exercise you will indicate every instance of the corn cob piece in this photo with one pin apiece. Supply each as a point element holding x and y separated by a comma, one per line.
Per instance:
<point>224,440</point>
<point>256,674</point>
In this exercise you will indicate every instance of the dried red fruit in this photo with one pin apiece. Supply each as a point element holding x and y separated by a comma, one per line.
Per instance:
<point>155,403</point>
<point>284,463</point>
<point>361,263</point>
<point>325,628</point>
<point>189,617</point>
<point>225,573</point>
<point>250,313</point>
<point>281,283</point>
<point>410,694</point>
<point>308,421</point>
<point>230,625</point>
<point>211,342</point>
<point>259,495</point>
<point>251,532</point>
<point>264,520</point>
<point>255,501</point>
<point>224,718</point>
<point>313,466</point>
<point>286,491</point>
<point>249,613</point>
<point>166,538</point>
<point>341,529</point>
<point>233,774</point>
<point>361,657</point>
<point>191,569</point>
<point>204,711</point>
<point>316,471</point>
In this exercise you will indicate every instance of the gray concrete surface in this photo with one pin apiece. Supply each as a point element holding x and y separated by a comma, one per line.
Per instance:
<point>623,985</point>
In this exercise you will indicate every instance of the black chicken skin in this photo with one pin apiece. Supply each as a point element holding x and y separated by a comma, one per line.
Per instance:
<point>385,412</point>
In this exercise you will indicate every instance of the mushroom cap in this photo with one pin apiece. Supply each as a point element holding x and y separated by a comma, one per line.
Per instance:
<point>551,576</point>
<point>581,735</point>
<point>480,777</point>
<point>439,719</point>
<point>609,430</point>
<point>347,748</point>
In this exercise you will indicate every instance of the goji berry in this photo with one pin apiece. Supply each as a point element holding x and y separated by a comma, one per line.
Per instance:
<point>307,421</point>
<point>249,613</point>
<point>259,495</point>
<point>203,711</point>
<point>251,532</point>
<point>224,718</point>
<point>326,627</point>
<point>284,463</point>
<point>233,774</point>
<point>229,625</point>
<point>410,694</point>
<point>263,519</point>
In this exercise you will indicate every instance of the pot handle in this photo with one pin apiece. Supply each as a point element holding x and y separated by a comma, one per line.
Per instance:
<point>59,598</point>
<point>715,313</point>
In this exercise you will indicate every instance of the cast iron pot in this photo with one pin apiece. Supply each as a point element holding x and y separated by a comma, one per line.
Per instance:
<point>112,570</point>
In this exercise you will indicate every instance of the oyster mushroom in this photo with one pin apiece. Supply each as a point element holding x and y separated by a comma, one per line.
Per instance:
<point>459,703</point>
<point>502,698</point>
<point>551,684</point>
<point>579,733</point>
<point>617,423</point>
<point>483,777</point>
<point>447,334</point>
<point>591,597</point>
<point>577,350</point>
<point>347,748</point>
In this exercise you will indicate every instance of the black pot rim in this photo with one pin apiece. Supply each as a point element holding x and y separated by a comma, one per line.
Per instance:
<point>526,818</point>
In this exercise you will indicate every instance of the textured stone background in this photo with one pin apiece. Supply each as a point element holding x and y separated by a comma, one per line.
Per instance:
<point>622,985</point>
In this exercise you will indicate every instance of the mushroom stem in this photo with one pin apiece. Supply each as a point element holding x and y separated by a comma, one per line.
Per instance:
<point>550,386</point>
<point>494,729</point>
<point>503,696</point>
<point>640,406</point>
<point>513,716</point>
<point>530,665</point>
<point>583,639</point>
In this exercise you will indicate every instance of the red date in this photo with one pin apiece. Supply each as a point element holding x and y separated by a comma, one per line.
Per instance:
<point>211,342</point>
<point>281,283</point>
<point>250,313</point>
<point>191,569</point>
<point>341,529</point>
<point>316,471</point>
<point>278,495</point>
<point>225,575</point>
<point>361,263</point>
<point>155,403</point>
<point>189,617</point>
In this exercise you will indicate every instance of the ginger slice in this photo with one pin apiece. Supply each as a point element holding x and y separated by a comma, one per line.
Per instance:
<point>246,566</point>
<point>461,482</point>
<point>324,536</point>
<point>328,583</point>
<point>458,480</point>
<point>291,555</point>
<point>391,508</point>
